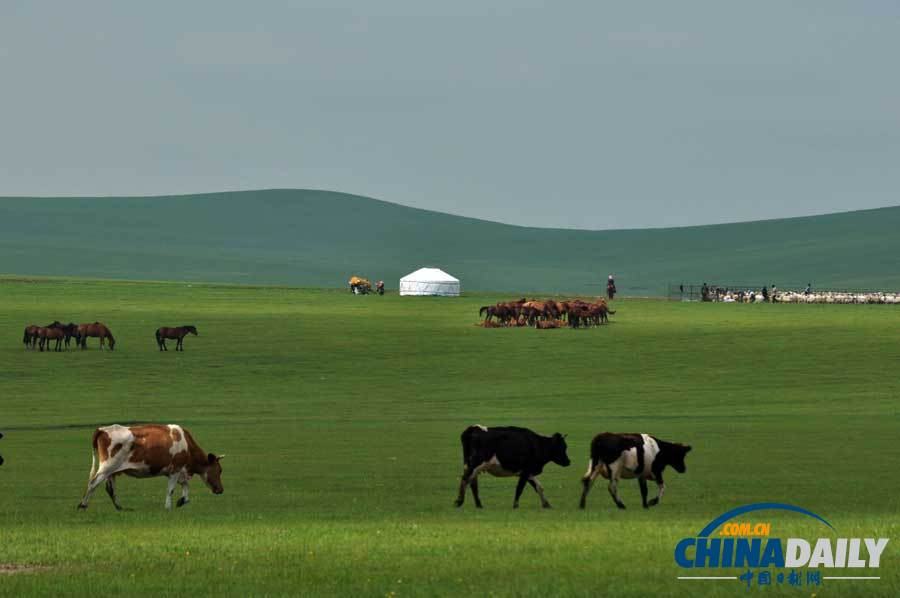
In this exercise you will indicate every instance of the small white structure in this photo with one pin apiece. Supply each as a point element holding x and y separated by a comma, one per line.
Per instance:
<point>429,281</point>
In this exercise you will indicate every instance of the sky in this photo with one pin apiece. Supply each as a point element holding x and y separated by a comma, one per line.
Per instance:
<point>578,114</point>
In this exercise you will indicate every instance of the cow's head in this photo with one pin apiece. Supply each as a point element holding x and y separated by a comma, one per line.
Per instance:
<point>213,474</point>
<point>558,450</point>
<point>677,453</point>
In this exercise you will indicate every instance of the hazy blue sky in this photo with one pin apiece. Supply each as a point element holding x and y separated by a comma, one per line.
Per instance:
<point>587,114</point>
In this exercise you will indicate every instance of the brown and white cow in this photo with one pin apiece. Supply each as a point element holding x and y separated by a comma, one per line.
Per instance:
<point>149,451</point>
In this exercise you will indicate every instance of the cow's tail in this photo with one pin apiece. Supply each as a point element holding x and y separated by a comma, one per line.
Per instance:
<point>94,456</point>
<point>158,335</point>
<point>593,462</point>
<point>466,440</point>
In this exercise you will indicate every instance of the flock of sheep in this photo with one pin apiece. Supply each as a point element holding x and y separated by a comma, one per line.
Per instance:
<point>839,297</point>
<point>828,297</point>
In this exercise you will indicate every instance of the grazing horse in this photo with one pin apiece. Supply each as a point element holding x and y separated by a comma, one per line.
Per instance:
<point>31,336</point>
<point>490,310</point>
<point>71,331</point>
<point>44,334</point>
<point>96,330</point>
<point>54,332</point>
<point>174,333</point>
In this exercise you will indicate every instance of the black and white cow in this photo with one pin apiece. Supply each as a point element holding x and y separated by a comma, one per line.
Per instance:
<point>506,452</point>
<point>628,456</point>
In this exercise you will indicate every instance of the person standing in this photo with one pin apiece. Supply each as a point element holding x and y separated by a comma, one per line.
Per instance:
<point>765,294</point>
<point>610,287</point>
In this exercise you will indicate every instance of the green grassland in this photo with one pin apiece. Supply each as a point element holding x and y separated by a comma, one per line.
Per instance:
<point>319,238</point>
<point>340,418</point>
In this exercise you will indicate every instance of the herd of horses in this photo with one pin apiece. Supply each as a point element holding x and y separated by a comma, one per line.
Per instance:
<point>41,337</point>
<point>549,313</point>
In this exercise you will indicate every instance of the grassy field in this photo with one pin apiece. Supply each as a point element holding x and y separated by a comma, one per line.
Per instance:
<point>301,237</point>
<point>340,417</point>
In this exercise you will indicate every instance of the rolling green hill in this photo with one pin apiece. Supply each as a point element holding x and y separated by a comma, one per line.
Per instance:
<point>320,238</point>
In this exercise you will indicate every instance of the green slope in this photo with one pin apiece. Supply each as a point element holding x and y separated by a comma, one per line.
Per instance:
<point>320,238</point>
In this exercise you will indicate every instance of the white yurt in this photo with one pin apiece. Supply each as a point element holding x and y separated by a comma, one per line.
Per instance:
<point>429,281</point>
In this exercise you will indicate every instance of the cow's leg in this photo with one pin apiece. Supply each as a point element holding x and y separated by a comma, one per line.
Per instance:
<point>587,481</point>
<point>164,347</point>
<point>111,490</point>
<point>662,489</point>
<point>100,477</point>
<point>463,481</point>
<point>519,487</point>
<point>540,490</point>
<point>184,494</point>
<point>614,472</point>
<point>474,486</point>
<point>173,481</point>
<point>642,482</point>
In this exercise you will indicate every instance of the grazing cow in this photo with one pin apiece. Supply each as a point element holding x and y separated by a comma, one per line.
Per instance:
<point>505,452</point>
<point>630,456</point>
<point>149,451</point>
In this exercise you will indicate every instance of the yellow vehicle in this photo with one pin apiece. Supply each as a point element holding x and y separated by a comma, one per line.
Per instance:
<point>360,286</point>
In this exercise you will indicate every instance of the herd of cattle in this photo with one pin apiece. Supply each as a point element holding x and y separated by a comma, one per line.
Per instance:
<point>41,336</point>
<point>549,313</point>
<point>154,450</point>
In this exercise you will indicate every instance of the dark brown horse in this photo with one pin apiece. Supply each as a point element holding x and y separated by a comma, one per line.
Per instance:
<point>71,331</point>
<point>96,330</point>
<point>53,332</point>
<point>174,333</point>
<point>31,336</point>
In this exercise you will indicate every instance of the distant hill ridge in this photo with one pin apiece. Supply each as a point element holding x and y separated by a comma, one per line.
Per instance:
<point>319,238</point>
